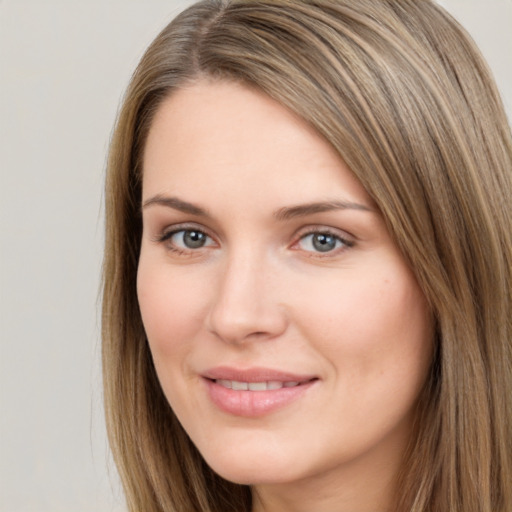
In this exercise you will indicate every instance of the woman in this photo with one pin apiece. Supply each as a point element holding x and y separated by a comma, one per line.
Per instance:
<point>307,278</point>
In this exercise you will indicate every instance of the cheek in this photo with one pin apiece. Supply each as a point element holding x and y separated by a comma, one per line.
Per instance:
<point>171,308</point>
<point>376,324</point>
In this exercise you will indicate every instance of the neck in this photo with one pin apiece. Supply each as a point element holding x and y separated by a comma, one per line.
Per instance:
<point>331,494</point>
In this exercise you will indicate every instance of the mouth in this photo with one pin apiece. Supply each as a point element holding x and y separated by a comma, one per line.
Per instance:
<point>270,385</point>
<point>255,392</point>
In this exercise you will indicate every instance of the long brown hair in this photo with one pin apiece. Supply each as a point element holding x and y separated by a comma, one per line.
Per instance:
<point>400,91</point>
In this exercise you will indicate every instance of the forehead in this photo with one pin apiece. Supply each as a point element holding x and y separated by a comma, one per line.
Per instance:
<point>228,116</point>
<point>225,138</point>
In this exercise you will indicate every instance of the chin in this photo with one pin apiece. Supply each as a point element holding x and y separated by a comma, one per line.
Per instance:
<point>244,475</point>
<point>246,469</point>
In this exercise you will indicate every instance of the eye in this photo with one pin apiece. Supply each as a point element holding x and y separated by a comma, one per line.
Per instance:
<point>186,239</point>
<point>322,242</point>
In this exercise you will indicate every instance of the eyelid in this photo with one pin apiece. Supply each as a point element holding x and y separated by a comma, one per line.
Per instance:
<point>165,234</point>
<point>347,239</point>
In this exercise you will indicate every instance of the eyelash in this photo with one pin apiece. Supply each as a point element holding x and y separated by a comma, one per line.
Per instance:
<point>167,235</point>
<point>345,242</point>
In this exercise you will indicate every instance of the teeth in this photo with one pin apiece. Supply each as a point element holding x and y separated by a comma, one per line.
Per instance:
<point>255,386</point>
<point>258,386</point>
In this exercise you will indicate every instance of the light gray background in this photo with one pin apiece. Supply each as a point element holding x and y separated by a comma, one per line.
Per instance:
<point>63,68</point>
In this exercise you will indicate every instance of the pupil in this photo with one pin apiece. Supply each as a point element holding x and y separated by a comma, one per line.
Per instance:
<point>323,242</point>
<point>194,239</point>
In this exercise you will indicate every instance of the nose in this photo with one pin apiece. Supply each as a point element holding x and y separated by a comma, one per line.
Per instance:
<point>247,302</point>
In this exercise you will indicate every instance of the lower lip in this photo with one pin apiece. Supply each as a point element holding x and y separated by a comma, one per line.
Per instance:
<point>251,404</point>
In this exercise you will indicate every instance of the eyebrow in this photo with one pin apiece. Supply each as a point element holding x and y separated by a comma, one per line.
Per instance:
<point>302,210</point>
<point>282,214</point>
<point>176,204</point>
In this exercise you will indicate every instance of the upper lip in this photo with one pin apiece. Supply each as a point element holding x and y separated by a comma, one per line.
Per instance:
<point>254,374</point>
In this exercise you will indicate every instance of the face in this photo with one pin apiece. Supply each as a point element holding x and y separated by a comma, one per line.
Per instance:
<point>288,334</point>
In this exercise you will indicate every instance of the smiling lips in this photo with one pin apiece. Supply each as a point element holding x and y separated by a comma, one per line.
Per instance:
<point>254,392</point>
